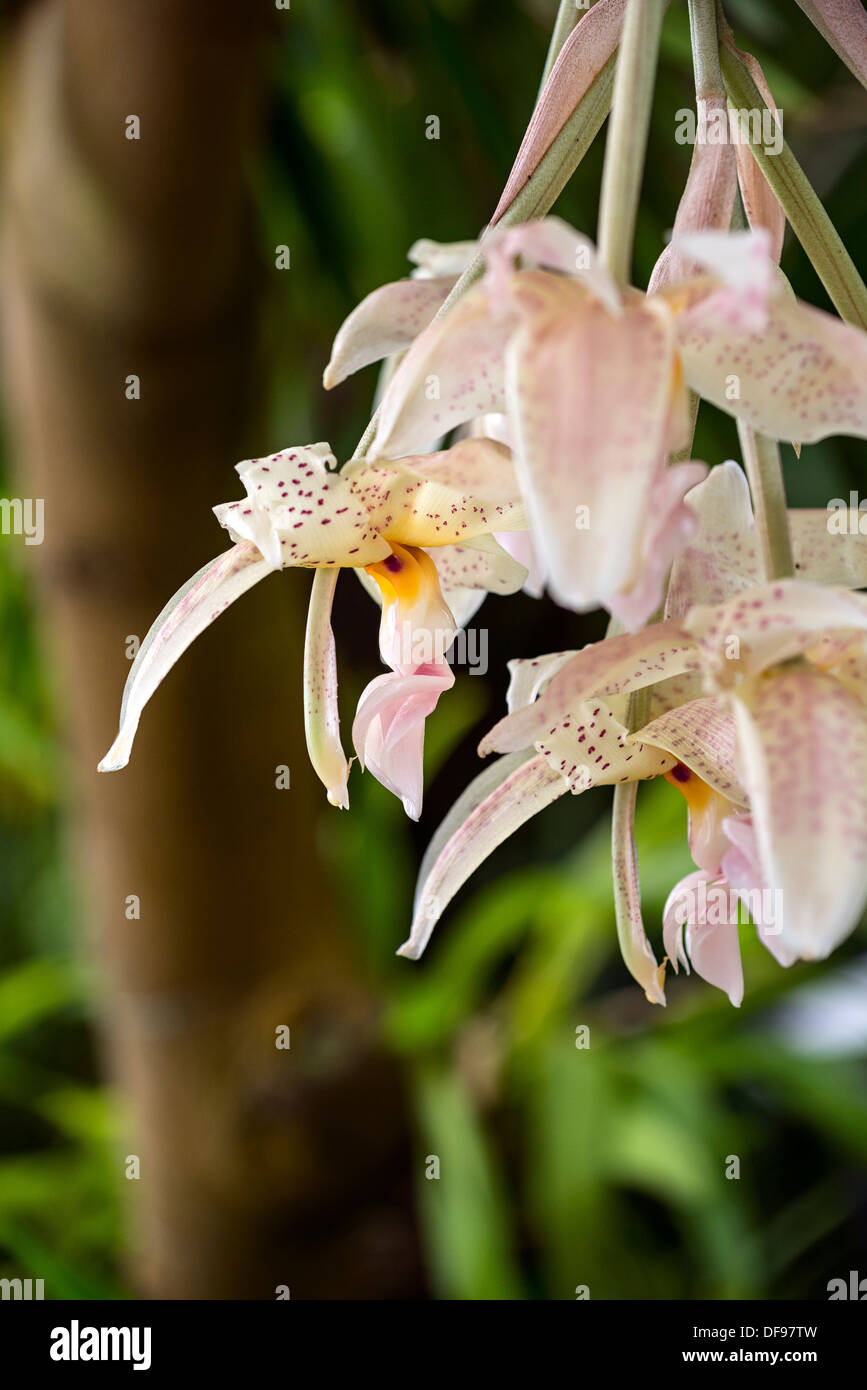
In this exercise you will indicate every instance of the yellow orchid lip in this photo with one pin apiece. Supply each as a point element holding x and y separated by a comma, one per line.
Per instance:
<point>404,575</point>
<point>696,792</point>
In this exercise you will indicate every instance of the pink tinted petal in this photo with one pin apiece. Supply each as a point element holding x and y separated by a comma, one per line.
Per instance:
<point>715,952</point>
<point>769,624</point>
<point>193,608</point>
<point>388,732</point>
<point>589,402</point>
<point>613,666</point>
<point>387,321</point>
<point>520,546</point>
<point>452,373</point>
<point>670,525</point>
<point>742,869</point>
<point>582,58</point>
<point>843,25</point>
<point>512,795</point>
<point>708,198</point>
<point>551,243</point>
<point>803,748</point>
<point>528,677</point>
<point>679,907</point>
<point>722,557</point>
<point>802,376</point>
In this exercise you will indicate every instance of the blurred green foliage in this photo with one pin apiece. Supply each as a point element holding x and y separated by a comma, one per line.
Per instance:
<point>559,1166</point>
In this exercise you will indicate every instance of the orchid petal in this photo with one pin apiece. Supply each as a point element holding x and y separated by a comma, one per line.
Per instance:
<point>388,732</point>
<point>452,372</point>
<point>551,243</point>
<point>386,321</point>
<point>767,625</point>
<point>669,527</point>
<point>700,734</point>
<point>613,666</point>
<point>298,511</point>
<point>591,748</point>
<point>467,572</point>
<point>589,399</point>
<point>634,946</point>
<point>528,677</point>
<point>715,952</point>
<point>525,790</point>
<point>440,499</point>
<point>581,59</point>
<point>742,870</point>
<point>321,717</point>
<point>802,376</point>
<point>803,743</point>
<point>674,916</point>
<point>440,258</point>
<point>520,546</point>
<point>193,608</point>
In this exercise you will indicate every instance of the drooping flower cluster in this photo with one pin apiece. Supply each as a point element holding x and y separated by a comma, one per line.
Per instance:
<point>535,432</point>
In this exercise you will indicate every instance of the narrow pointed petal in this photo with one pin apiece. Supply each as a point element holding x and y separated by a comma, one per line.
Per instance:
<point>321,717</point>
<point>843,25</point>
<point>613,666</point>
<point>386,321</point>
<point>298,511</point>
<point>388,731</point>
<point>582,58</point>
<point>193,608</point>
<point>520,546</point>
<point>452,373</point>
<point>803,743</point>
<point>523,792</point>
<point>440,499</point>
<point>708,198</point>
<point>722,557</point>
<point>589,401</point>
<point>634,946</point>
<point>674,917</point>
<point>802,376</point>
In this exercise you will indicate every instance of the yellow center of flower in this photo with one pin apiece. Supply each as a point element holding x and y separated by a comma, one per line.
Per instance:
<point>708,809</point>
<point>405,576</point>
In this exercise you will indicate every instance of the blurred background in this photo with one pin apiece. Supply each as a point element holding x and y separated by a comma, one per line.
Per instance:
<point>158,928</point>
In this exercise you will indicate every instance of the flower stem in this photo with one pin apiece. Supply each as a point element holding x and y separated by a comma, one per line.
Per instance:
<point>765,474</point>
<point>626,144</point>
<point>800,202</point>
<point>704,37</point>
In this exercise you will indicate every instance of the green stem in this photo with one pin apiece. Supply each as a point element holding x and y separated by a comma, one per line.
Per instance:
<point>765,473</point>
<point>704,37</point>
<point>626,144</point>
<point>800,202</point>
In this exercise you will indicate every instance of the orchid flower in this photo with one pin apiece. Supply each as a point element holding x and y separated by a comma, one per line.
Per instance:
<point>592,384</point>
<point>386,518</point>
<point>740,672</point>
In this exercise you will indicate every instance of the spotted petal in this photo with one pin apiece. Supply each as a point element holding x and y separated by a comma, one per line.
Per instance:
<point>524,790</point>
<point>803,743</point>
<point>700,734</point>
<point>440,499</point>
<point>386,321</point>
<point>299,512</point>
<point>613,666</point>
<point>193,608</point>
